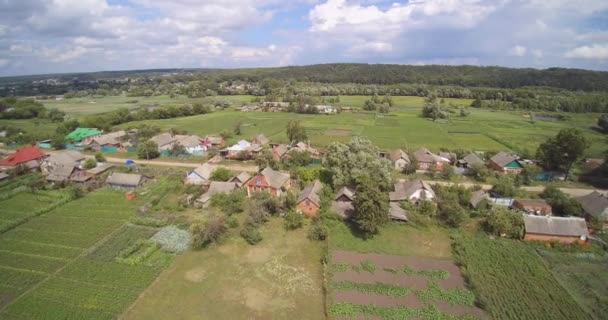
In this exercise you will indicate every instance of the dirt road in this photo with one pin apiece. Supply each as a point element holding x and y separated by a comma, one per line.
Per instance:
<point>574,192</point>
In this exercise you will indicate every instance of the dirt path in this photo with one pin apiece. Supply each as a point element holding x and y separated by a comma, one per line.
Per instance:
<point>574,192</point>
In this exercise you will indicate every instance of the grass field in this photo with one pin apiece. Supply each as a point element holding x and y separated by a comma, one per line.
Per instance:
<point>24,205</point>
<point>279,278</point>
<point>512,282</point>
<point>60,265</point>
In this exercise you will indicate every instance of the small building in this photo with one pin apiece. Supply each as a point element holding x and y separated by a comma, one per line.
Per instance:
<point>428,160</point>
<point>532,206</point>
<point>399,158</point>
<point>29,157</point>
<point>100,169</point>
<point>271,181</point>
<point>326,109</point>
<point>60,174</point>
<point>279,151</point>
<point>548,228</point>
<point>236,149</point>
<point>506,163</point>
<point>64,158</point>
<point>118,180</point>
<point>595,205</point>
<point>470,160</point>
<point>241,179</point>
<point>309,202</point>
<point>110,142</point>
<point>193,144</point>
<point>200,175</point>
<point>165,141</point>
<point>261,140</point>
<point>414,190</point>
<point>343,202</point>
<point>450,156</point>
<point>214,141</point>
<point>396,212</point>
<point>216,187</point>
<point>303,147</point>
<point>83,135</point>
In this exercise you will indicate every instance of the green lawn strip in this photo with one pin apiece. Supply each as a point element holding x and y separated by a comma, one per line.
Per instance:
<point>365,265</point>
<point>378,288</point>
<point>434,292</point>
<point>346,309</point>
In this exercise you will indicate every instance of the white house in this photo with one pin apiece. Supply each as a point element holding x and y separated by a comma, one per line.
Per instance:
<point>413,191</point>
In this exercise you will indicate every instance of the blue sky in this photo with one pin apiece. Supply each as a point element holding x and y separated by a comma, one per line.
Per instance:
<point>48,36</point>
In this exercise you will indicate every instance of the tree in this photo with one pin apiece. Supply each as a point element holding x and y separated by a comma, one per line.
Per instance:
<point>505,223</point>
<point>237,128</point>
<point>602,122</point>
<point>99,157</point>
<point>293,220</point>
<point>205,233</point>
<point>55,115</point>
<point>451,213</point>
<point>350,163</point>
<point>89,164</point>
<point>221,174</point>
<point>318,231</point>
<point>505,187</point>
<point>74,192</point>
<point>148,150</point>
<point>265,159</point>
<point>177,150</point>
<point>561,204</point>
<point>251,234</point>
<point>58,142</point>
<point>529,173</point>
<point>563,151</point>
<point>412,166</point>
<point>295,131</point>
<point>297,159</point>
<point>371,207</point>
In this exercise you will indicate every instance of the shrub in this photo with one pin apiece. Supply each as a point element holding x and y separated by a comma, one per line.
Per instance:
<point>318,231</point>
<point>251,234</point>
<point>205,233</point>
<point>221,174</point>
<point>504,222</point>
<point>289,201</point>
<point>74,192</point>
<point>89,164</point>
<point>99,157</point>
<point>293,220</point>
<point>232,222</point>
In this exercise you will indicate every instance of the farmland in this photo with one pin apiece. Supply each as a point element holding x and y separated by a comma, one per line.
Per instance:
<point>62,264</point>
<point>491,267</point>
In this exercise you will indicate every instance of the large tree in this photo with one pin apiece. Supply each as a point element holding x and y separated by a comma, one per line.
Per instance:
<point>352,162</point>
<point>562,151</point>
<point>148,150</point>
<point>371,207</point>
<point>295,131</point>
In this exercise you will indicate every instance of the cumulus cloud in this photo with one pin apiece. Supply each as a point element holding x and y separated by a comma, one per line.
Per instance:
<point>595,51</point>
<point>518,51</point>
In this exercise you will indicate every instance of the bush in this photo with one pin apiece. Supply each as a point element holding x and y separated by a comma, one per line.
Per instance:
<point>99,157</point>
<point>293,220</point>
<point>208,232</point>
<point>148,150</point>
<point>289,201</point>
<point>75,193</point>
<point>318,231</point>
<point>232,222</point>
<point>251,234</point>
<point>221,174</point>
<point>89,164</point>
<point>504,222</point>
<point>231,203</point>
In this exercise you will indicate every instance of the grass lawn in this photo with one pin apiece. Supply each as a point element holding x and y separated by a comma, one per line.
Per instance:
<point>279,278</point>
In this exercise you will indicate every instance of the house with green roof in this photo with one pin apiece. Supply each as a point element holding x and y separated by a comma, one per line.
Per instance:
<point>83,135</point>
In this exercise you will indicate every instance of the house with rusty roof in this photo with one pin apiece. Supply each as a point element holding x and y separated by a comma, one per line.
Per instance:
<point>29,157</point>
<point>108,140</point>
<point>308,201</point>
<point>506,163</point>
<point>561,229</point>
<point>268,180</point>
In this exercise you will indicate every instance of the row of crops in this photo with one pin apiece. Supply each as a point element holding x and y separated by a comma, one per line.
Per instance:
<point>62,264</point>
<point>511,281</point>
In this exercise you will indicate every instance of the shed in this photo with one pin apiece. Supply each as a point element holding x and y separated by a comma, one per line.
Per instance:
<point>3,176</point>
<point>396,212</point>
<point>60,174</point>
<point>562,229</point>
<point>200,175</point>
<point>469,160</point>
<point>120,180</point>
<point>214,188</point>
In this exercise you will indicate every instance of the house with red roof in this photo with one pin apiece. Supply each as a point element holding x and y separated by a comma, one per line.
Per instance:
<point>29,156</point>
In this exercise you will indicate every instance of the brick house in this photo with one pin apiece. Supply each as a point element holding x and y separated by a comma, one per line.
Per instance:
<point>308,202</point>
<point>271,181</point>
<point>506,163</point>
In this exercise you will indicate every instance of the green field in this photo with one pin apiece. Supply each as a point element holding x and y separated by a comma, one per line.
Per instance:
<point>61,265</point>
<point>279,278</point>
<point>24,205</point>
<point>511,280</point>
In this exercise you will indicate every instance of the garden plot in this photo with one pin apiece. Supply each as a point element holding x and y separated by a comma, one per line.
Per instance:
<point>390,286</point>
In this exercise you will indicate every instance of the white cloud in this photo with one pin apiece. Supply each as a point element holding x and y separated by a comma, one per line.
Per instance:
<point>63,54</point>
<point>20,48</point>
<point>537,53</point>
<point>518,51</point>
<point>595,51</point>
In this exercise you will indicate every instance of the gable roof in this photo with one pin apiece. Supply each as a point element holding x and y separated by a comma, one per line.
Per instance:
<point>110,138</point>
<point>124,179</point>
<point>594,204</point>
<point>281,149</point>
<point>477,197</point>
<point>311,192</point>
<point>100,169</point>
<point>347,192</point>
<point>557,226</point>
<point>472,158</point>
<point>81,133</point>
<point>22,155</point>
<point>261,139</point>
<point>396,212</point>
<point>163,139</point>
<point>60,173</point>
<point>217,187</point>
<point>502,158</point>
<point>65,158</point>
<point>241,178</point>
<point>425,155</point>
<point>405,190</point>
<point>204,171</point>
<point>189,141</point>
<point>398,154</point>
<point>274,178</point>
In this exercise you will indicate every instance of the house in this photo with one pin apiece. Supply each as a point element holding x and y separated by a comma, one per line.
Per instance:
<point>303,147</point>
<point>241,179</point>
<point>216,187</point>
<point>450,156</point>
<point>165,141</point>
<point>399,158</point>
<point>261,140</point>
<point>595,205</point>
<point>214,141</point>
<point>60,174</point>
<point>532,206</point>
<point>65,158</point>
<point>29,157</point>
<point>271,181</point>
<point>83,135</point>
<point>279,152</point>
<point>548,228</point>
<point>118,180</point>
<point>428,160</point>
<point>200,175</point>
<point>100,169</point>
<point>396,212</point>
<point>470,160</point>
<point>309,202</point>
<point>505,163</point>
<point>194,145</point>
<point>343,202</point>
<point>108,142</point>
<point>234,150</point>
<point>412,191</point>
<point>326,109</point>
<point>478,198</point>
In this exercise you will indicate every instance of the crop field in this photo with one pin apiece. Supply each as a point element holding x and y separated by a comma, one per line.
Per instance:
<point>20,206</point>
<point>391,286</point>
<point>584,276</point>
<point>492,265</point>
<point>279,278</point>
<point>62,264</point>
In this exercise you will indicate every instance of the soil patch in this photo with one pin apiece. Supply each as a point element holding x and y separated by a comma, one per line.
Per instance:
<point>195,275</point>
<point>255,299</point>
<point>339,132</point>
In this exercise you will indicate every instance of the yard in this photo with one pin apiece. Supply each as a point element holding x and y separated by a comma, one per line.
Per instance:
<point>279,278</point>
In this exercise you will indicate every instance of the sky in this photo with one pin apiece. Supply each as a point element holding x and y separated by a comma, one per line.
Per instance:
<point>58,36</point>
